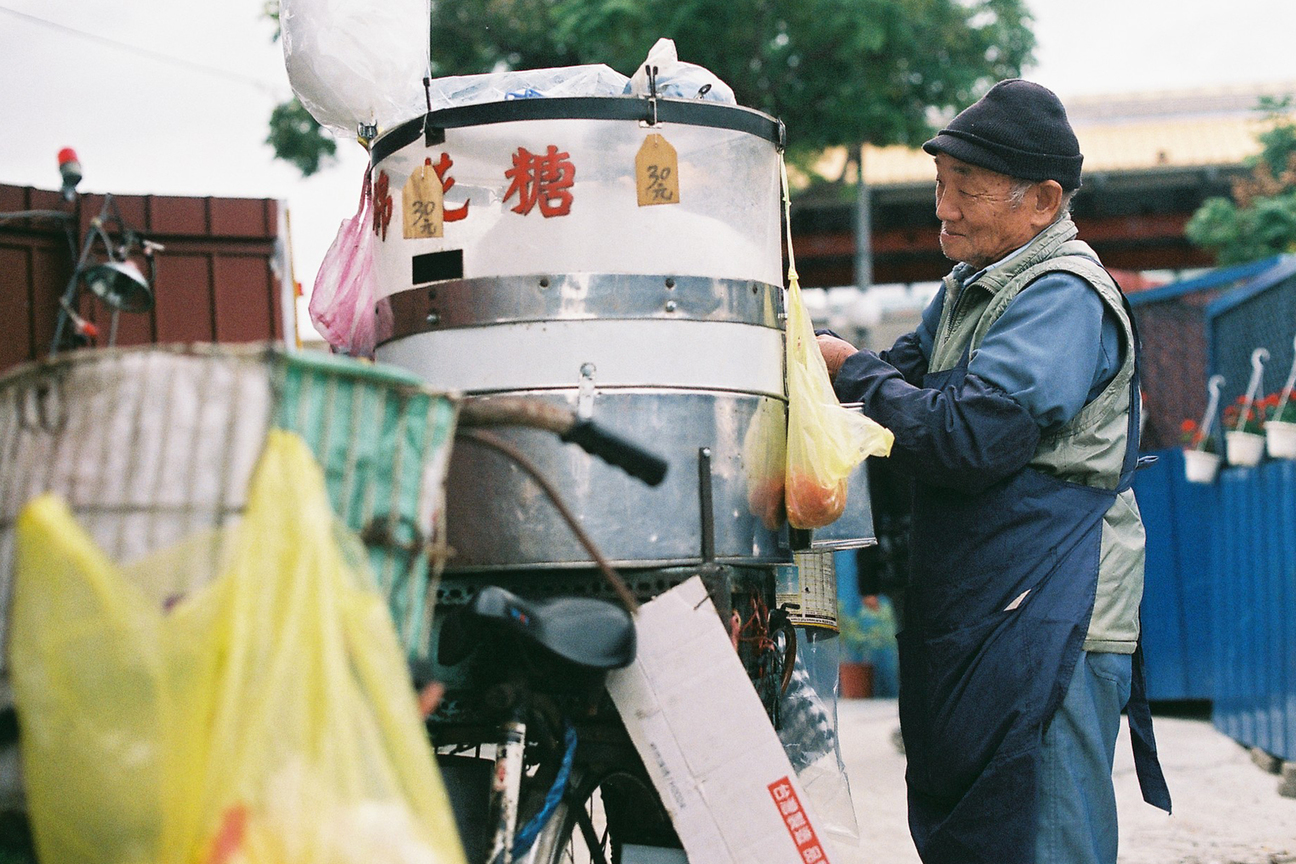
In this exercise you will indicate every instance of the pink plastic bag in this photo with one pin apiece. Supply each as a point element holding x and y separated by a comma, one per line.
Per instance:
<point>342,301</point>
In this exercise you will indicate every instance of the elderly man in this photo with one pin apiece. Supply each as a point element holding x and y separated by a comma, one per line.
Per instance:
<point>1014,406</point>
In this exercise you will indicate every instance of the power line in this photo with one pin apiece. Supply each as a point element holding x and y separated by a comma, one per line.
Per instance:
<point>145,52</point>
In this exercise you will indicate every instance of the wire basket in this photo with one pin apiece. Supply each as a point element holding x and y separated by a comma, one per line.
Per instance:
<point>154,445</point>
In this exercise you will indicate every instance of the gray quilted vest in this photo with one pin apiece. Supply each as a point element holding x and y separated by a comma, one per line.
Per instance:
<point>1090,448</point>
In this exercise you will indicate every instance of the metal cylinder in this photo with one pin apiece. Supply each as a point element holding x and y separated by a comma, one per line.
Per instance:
<point>552,275</point>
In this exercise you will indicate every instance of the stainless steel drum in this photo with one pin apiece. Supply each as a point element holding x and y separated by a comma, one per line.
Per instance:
<point>553,272</point>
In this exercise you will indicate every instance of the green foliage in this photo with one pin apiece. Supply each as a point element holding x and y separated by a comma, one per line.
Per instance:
<point>270,9</point>
<point>835,71</point>
<point>1260,219</point>
<point>297,138</point>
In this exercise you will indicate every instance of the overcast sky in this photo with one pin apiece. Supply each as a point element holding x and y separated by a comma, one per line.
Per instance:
<point>172,96</point>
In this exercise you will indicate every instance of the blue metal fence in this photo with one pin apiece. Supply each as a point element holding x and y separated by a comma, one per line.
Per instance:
<point>1219,607</point>
<point>1176,604</point>
<point>1254,606</point>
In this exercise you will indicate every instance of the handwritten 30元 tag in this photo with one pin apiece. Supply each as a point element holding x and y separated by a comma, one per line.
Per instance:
<point>657,172</point>
<point>424,205</point>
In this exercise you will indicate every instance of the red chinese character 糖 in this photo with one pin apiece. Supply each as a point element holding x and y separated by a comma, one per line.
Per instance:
<point>542,180</point>
<point>442,166</point>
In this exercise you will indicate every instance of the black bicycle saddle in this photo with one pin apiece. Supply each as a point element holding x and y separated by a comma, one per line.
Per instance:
<point>586,631</point>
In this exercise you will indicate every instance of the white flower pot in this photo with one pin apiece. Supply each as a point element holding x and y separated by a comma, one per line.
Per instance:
<point>1280,437</point>
<point>1244,448</point>
<point>1200,466</point>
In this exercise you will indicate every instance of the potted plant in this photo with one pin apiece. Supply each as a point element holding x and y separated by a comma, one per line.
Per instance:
<point>871,630</point>
<point>1280,422</point>
<point>1244,437</point>
<point>1200,452</point>
<point>1280,425</point>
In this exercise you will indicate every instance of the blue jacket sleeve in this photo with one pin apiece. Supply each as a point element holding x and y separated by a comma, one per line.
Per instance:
<point>964,437</point>
<point>1020,353</point>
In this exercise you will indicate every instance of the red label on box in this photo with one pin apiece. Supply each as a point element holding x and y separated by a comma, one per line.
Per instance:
<point>799,827</point>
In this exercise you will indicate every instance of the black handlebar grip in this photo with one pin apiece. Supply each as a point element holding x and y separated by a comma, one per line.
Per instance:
<point>614,450</point>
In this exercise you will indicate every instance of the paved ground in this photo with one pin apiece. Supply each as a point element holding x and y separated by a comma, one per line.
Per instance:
<point>1226,809</point>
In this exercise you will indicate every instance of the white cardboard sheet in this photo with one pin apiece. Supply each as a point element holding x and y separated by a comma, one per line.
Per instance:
<point>707,743</point>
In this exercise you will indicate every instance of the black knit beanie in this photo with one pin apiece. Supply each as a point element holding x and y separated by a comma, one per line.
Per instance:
<point>1020,129</point>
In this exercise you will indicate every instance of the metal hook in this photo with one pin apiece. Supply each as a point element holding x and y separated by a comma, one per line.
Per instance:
<point>1212,405</point>
<point>652,92</point>
<point>1258,358</point>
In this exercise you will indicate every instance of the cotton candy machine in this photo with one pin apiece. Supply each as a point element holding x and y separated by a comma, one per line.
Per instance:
<point>620,256</point>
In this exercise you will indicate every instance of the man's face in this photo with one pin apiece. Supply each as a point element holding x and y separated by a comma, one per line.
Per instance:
<point>980,223</point>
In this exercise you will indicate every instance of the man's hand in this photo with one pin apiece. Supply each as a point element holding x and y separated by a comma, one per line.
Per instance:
<point>834,351</point>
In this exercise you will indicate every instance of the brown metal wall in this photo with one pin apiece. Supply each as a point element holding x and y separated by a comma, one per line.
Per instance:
<point>215,280</point>
<point>1173,368</point>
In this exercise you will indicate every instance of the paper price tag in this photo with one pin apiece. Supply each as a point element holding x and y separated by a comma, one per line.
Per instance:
<point>657,172</point>
<point>424,208</point>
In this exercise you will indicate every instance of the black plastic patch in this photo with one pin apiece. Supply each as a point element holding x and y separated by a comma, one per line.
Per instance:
<point>435,266</point>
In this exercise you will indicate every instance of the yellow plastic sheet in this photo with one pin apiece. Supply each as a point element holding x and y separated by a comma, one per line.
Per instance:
<point>267,717</point>
<point>825,441</point>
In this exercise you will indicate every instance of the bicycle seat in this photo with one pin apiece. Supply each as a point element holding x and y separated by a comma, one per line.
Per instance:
<point>592,633</point>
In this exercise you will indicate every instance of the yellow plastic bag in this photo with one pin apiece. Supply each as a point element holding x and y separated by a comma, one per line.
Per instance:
<point>765,459</point>
<point>268,717</point>
<point>825,441</point>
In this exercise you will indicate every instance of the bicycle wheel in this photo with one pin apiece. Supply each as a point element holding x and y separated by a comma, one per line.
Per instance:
<point>594,823</point>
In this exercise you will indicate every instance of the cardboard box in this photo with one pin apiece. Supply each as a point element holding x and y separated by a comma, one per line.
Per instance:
<point>707,743</point>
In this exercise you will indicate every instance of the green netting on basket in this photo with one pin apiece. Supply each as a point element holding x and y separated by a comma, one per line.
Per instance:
<point>383,440</point>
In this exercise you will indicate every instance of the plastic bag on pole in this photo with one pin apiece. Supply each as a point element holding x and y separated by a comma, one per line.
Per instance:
<point>825,440</point>
<point>267,717</point>
<point>357,61</point>
<point>342,300</point>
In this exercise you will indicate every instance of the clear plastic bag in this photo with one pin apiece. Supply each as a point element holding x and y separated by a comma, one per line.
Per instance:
<point>590,80</point>
<point>267,718</point>
<point>808,732</point>
<point>342,301</point>
<point>676,79</point>
<point>357,61</point>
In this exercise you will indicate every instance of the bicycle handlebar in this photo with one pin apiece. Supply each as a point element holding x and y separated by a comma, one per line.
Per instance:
<point>588,435</point>
<point>615,450</point>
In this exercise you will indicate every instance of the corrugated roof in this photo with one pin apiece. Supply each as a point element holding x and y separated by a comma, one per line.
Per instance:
<point>1131,132</point>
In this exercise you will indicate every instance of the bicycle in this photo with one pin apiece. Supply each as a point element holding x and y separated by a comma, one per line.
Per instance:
<point>537,762</point>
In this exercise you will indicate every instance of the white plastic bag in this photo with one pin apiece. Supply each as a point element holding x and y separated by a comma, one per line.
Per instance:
<point>357,61</point>
<point>676,79</point>
<point>342,301</point>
